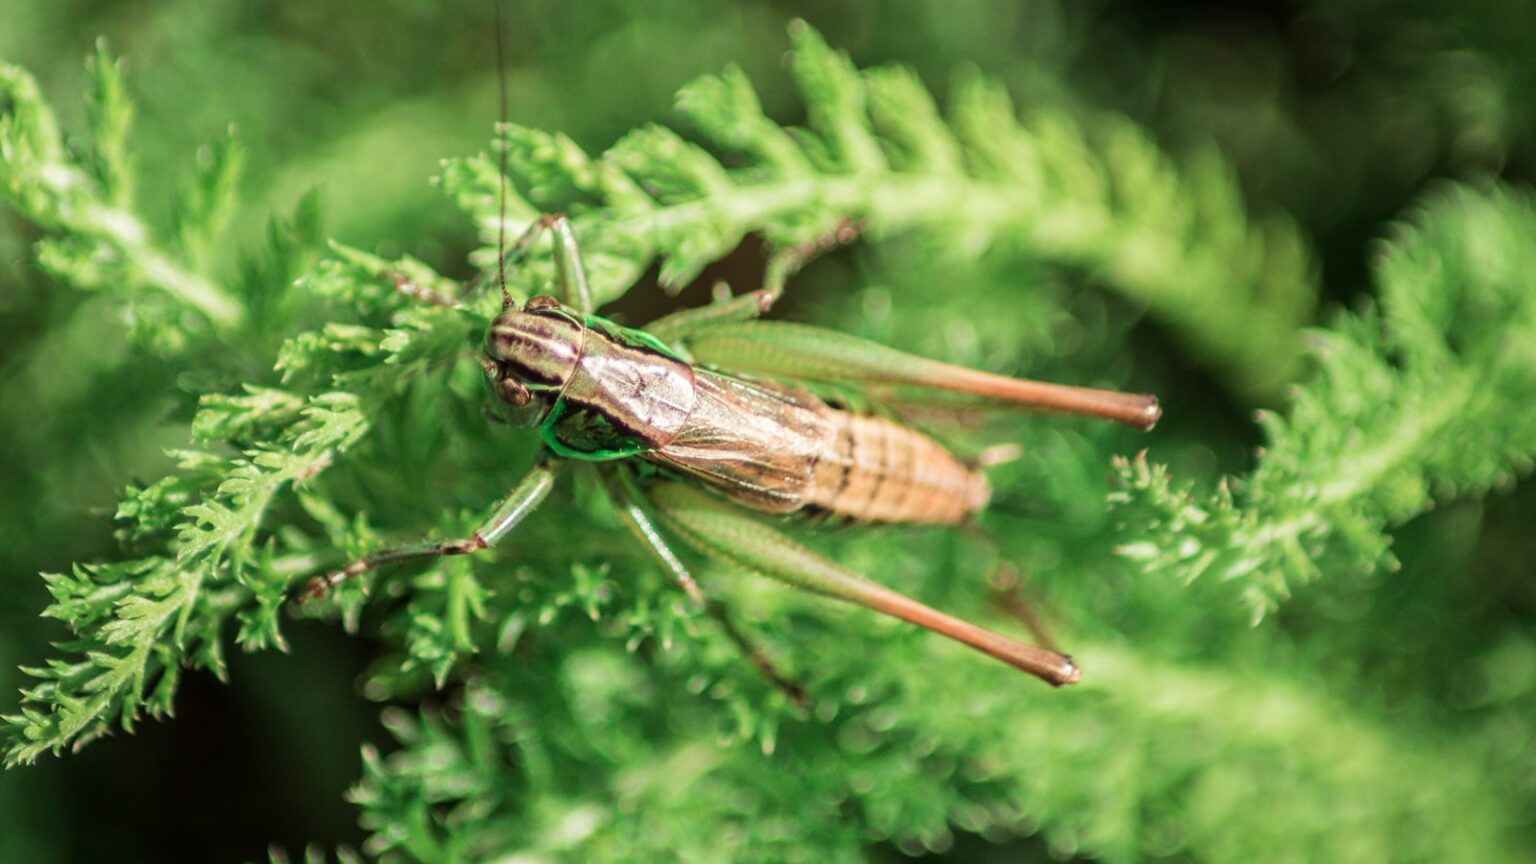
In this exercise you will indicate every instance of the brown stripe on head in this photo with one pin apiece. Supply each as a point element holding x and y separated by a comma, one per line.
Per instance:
<point>537,349</point>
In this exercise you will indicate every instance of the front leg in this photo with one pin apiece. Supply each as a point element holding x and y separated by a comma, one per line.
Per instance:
<point>523,499</point>
<point>571,287</point>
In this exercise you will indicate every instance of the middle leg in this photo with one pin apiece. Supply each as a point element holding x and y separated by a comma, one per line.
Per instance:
<point>678,326</point>
<point>626,497</point>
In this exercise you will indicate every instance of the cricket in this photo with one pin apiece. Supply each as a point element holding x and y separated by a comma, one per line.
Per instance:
<point>704,428</point>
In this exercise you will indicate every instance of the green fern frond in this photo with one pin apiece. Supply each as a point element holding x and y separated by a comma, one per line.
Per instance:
<point>1097,197</point>
<point>1422,395</point>
<point>1211,747</point>
<point>99,242</point>
<point>592,713</point>
<point>139,622</point>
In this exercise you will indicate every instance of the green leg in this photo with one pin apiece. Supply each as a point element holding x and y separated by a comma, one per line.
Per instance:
<point>418,292</point>
<point>787,262</point>
<point>523,500</point>
<point>1011,592</point>
<point>1009,587</point>
<point>726,335</point>
<point>571,285</point>
<point>785,350</point>
<point>626,497</point>
<point>731,535</point>
<point>571,278</point>
<point>679,326</point>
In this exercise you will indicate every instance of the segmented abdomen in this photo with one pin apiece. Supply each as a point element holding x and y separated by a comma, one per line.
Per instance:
<point>783,450</point>
<point>876,470</point>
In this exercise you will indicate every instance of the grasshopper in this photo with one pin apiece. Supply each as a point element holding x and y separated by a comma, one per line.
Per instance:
<point>736,439</point>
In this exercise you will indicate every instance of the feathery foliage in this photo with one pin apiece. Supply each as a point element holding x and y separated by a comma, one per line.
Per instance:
<point>1420,395</point>
<point>1101,199</point>
<point>85,200</point>
<point>587,711</point>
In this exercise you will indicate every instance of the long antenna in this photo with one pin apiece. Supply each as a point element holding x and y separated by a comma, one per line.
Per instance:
<point>501,168</point>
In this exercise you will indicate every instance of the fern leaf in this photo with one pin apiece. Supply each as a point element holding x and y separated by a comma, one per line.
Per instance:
<point>1421,395</point>
<point>101,243</point>
<point>1098,197</point>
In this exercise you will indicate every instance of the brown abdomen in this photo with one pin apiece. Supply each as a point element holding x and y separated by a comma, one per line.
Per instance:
<point>780,449</point>
<point>875,470</point>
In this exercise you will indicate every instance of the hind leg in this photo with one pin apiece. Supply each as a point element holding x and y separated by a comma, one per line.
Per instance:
<point>730,535</point>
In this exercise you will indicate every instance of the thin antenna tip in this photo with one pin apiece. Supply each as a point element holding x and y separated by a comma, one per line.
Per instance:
<point>1150,413</point>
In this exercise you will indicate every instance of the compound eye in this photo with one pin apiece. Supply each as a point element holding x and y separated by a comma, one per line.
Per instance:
<point>513,392</point>
<point>540,303</point>
<point>508,389</point>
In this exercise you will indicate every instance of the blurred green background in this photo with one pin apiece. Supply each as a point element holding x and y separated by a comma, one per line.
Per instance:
<point>1337,113</point>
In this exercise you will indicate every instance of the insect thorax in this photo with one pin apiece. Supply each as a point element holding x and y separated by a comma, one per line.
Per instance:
<point>610,391</point>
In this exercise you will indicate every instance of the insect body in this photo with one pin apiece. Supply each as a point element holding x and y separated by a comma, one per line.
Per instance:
<point>607,392</point>
<point>707,398</point>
